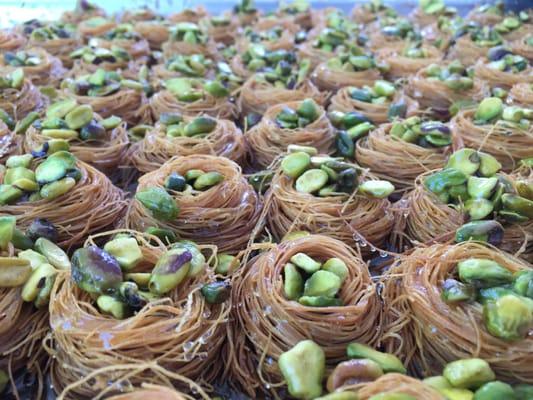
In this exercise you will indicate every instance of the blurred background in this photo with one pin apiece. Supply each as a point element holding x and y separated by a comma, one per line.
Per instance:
<point>15,11</point>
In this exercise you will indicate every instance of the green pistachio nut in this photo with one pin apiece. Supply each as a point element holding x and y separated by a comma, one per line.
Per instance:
<point>111,306</point>
<point>53,253</point>
<point>162,206</point>
<point>41,227</point>
<point>483,231</point>
<point>35,259</point>
<point>53,190</point>
<point>14,271</point>
<point>454,291</point>
<point>457,394</point>
<point>336,266</point>
<point>198,262</point>
<point>509,317</point>
<point>208,180</point>
<point>479,208</point>
<point>376,189</point>
<point>31,288</point>
<point>322,283</point>
<point>489,109</point>
<point>200,125</point>
<point>55,167</point>
<point>126,251</point>
<point>295,164</point>
<point>437,382</point>
<point>306,263</point>
<point>7,229</point>
<point>494,391</point>
<point>523,391</point>
<point>523,283</point>
<point>465,160</point>
<point>387,362</point>
<point>175,182</point>
<point>19,161</point>
<point>308,109</point>
<point>216,292</point>
<point>483,273</point>
<point>311,181</point>
<point>95,270</point>
<point>303,368</point>
<point>171,269</point>
<point>442,180</point>
<point>518,204</point>
<point>344,144</point>
<point>481,187</point>
<point>469,373</point>
<point>226,263</point>
<point>319,301</point>
<point>61,108</point>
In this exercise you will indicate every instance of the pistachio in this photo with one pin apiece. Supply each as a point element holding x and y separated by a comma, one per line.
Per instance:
<point>478,208</point>
<point>518,204</point>
<point>171,269</point>
<point>53,253</point>
<point>31,288</point>
<point>483,272</point>
<point>159,203</point>
<point>293,282</point>
<point>303,261</point>
<point>376,189</point>
<point>295,235</point>
<point>55,167</point>
<point>79,117</point>
<point>61,108</point>
<point>126,251</point>
<point>311,181</point>
<point>200,125</point>
<point>295,164</point>
<point>488,164</point>
<point>110,305</point>
<point>442,180</point>
<point>9,194</point>
<point>141,279</point>
<point>437,382</point>
<point>387,362</point>
<point>165,235</point>
<point>43,296</point>
<point>95,271</point>
<point>19,161</point>
<point>308,109</point>
<point>58,188</point>
<point>469,373</point>
<point>198,261</point>
<point>193,174</point>
<point>352,372</point>
<point>489,109</point>
<point>481,187</point>
<point>523,391</point>
<point>208,180</point>
<point>14,271</point>
<point>7,228</point>
<point>455,291</point>
<point>25,122</point>
<point>226,263</point>
<point>509,317</point>
<point>216,292</point>
<point>457,394</point>
<point>35,259</point>
<point>303,368</point>
<point>21,241</point>
<point>495,390</point>
<point>175,182</point>
<point>344,144</point>
<point>467,161</point>
<point>322,283</point>
<point>523,284</point>
<point>484,231</point>
<point>319,301</point>
<point>336,266</point>
<point>216,89</point>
